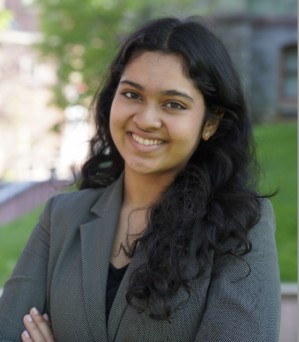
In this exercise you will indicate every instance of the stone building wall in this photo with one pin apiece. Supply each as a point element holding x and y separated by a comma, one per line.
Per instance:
<point>256,45</point>
<point>269,38</point>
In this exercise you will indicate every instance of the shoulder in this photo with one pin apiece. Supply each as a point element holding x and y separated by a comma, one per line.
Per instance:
<point>266,224</point>
<point>267,211</point>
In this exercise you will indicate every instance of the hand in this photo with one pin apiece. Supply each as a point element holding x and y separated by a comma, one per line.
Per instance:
<point>38,328</point>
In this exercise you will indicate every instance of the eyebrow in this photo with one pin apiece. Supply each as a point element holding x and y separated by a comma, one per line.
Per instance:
<point>173,92</point>
<point>170,92</point>
<point>133,84</point>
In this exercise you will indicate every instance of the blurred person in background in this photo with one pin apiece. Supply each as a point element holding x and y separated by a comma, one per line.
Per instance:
<point>168,238</point>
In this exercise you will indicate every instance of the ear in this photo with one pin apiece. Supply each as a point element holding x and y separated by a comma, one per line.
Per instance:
<point>211,126</point>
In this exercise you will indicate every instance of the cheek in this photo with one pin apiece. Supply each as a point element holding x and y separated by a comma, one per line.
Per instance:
<point>113,110</point>
<point>191,130</point>
<point>118,113</point>
<point>114,116</point>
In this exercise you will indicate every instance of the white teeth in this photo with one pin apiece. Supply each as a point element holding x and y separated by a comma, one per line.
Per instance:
<point>146,142</point>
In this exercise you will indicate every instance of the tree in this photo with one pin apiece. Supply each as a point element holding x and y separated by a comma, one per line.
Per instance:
<point>82,36</point>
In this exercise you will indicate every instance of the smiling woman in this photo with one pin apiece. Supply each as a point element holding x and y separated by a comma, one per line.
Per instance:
<point>167,238</point>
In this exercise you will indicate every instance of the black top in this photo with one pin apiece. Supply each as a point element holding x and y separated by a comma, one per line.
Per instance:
<point>115,276</point>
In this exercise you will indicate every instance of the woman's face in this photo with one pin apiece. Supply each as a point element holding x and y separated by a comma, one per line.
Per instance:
<point>157,115</point>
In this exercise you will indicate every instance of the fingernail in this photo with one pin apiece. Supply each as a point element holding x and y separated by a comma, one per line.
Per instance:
<point>29,318</point>
<point>26,333</point>
<point>46,317</point>
<point>35,311</point>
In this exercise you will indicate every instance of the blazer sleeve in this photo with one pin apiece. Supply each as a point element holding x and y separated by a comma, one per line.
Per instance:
<point>243,302</point>
<point>27,285</point>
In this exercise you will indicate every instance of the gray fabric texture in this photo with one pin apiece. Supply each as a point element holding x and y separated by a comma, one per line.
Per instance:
<point>64,266</point>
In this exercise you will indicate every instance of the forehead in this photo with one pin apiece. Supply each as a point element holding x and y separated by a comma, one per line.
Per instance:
<point>158,67</point>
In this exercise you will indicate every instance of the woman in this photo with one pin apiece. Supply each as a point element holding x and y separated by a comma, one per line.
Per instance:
<point>167,240</point>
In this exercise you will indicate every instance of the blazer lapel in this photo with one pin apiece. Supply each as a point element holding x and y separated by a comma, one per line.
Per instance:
<point>96,244</point>
<point>120,304</point>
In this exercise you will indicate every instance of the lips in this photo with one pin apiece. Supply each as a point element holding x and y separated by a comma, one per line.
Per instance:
<point>146,141</point>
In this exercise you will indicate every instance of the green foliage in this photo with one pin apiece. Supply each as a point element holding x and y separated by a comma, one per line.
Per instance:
<point>83,36</point>
<point>5,17</point>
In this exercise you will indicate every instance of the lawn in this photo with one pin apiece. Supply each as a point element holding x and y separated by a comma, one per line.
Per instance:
<point>13,237</point>
<point>277,152</point>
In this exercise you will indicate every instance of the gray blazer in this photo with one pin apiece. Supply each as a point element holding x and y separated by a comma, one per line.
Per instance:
<point>63,271</point>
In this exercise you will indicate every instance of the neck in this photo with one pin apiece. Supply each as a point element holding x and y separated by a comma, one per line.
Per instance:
<point>141,191</point>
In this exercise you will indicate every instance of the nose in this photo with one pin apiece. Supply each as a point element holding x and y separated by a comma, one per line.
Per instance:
<point>148,119</point>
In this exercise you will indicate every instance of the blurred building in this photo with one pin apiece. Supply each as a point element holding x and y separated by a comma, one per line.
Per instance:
<point>261,36</point>
<point>31,145</point>
<point>265,50</point>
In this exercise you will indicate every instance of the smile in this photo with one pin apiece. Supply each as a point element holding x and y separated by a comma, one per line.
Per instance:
<point>146,142</point>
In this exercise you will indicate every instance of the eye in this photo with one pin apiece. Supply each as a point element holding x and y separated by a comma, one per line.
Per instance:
<point>131,95</point>
<point>175,105</point>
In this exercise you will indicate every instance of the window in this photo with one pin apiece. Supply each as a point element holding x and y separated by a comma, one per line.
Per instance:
<point>288,89</point>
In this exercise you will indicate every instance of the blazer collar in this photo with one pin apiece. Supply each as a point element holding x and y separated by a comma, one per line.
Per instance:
<point>96,244</point>
<point>111,199</point>
<point>120,304</point>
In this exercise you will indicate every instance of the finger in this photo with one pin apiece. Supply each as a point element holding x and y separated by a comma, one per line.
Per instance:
<point>43,324</point>
<point>26,337</point>
<point>47,319</point>
<point>37,327</point>
<point>32,329</point>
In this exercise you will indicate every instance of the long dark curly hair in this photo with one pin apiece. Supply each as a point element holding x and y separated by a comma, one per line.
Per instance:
<point>214,198</point>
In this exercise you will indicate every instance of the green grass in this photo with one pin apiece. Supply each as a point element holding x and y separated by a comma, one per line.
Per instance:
<point>277,152</point>
<point>13,237</point>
